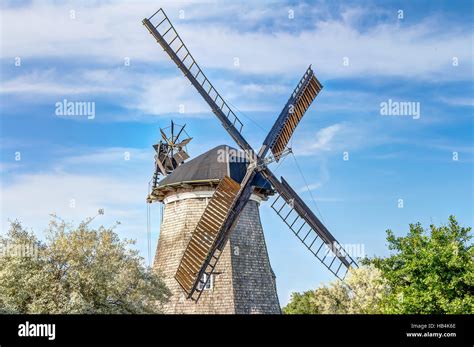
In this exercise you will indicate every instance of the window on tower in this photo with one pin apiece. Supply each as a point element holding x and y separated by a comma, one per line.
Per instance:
<point>202,285</point>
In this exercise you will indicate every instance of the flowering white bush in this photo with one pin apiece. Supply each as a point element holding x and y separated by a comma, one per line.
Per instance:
<point>77,270</point>
<point>362,293</point>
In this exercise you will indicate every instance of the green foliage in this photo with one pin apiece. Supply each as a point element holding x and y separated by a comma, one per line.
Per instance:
<point>429,271</point>
<point>76,270</point>
<point>301,304</point>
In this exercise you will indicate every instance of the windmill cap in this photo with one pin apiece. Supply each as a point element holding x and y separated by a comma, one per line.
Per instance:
<point>212,166</point>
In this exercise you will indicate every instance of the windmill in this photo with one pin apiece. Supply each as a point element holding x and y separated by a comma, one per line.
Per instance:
<point>170,150</point>
<point>222,213</point>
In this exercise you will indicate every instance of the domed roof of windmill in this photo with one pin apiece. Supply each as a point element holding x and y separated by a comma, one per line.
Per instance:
<point>208,169</point>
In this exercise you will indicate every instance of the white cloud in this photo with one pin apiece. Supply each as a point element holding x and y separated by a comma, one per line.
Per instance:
<point>90,181</point>
<point>148,93</point>
<point>324,138</point>
<point>49,82</point>
<point>339,138</point>
<point>456,101</point>
<point>37,195</point>
<point>312,186</point>
<point>122,158</point>
<point>385,50</point>
<point>5,167</point>
<point>111,31</point>
<point>323,178</point>
<point>106,33</point>
<point>152,93</point>
<point>167,95</point>
<point>322,199</point>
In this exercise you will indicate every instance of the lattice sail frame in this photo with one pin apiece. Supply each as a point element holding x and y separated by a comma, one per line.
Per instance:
<point>170,40</point>
<point>319,242</point>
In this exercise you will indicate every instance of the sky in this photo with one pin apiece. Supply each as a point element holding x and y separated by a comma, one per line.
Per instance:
<point>362,171</point>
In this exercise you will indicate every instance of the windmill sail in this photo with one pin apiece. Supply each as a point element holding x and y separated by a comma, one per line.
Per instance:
<point>200,255</point>
<point>166,35</point>
<point>299,101</point>
<point>218,220</point>
<point>309,229</point>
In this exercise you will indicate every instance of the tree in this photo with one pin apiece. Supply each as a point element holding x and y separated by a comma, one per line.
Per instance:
<point>76,270</point>
<point>301,304</point>
<point>362,292</point>
<point>429,271</point>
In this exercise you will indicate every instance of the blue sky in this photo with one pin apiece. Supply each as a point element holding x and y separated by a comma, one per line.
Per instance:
<point>390,157</point>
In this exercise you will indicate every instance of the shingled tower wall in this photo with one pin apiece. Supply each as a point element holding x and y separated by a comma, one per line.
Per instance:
<point>243,282</point>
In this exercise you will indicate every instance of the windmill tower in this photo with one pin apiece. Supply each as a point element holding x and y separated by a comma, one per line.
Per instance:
<point>243,281</point>
<point>197,255</point>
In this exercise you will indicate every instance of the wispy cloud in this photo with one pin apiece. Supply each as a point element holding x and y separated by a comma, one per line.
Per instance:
<point>152,93</point>
<point>112,31</point>
<point>323,178</point>
<point>6,167</point>
<point>339,137</point>
<point>456,101</point>
<point>324,138</point>
<point>312,186</point>
<point>102,35</point>
<point>51,82</point>
<point>76,186</point>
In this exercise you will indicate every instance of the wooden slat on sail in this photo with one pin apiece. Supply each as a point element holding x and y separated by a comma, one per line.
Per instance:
<point>204,236</point>
<point>303,100</point>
